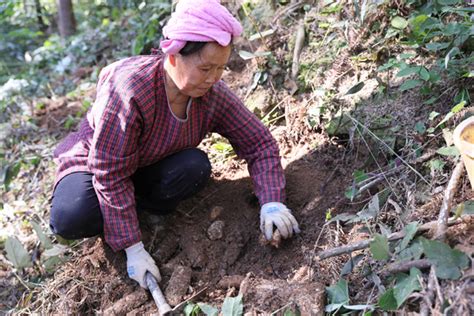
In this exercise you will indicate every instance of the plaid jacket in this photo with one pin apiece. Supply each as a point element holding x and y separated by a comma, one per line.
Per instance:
<point>130,126</point>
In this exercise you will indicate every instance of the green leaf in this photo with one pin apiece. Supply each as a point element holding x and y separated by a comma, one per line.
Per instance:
<point>410,84</point>
<point>387,301</point>
<point>51,263</point>
<point>289,312</point>
<point>430,100</point>
<point>448,261</point>
<point>355,88</point>
<point>424,74</point>
<point>350,193</point>
<point>8,172</point>
<point>448,2</point>
<point>233,306</point>
<point>434,76</point>
<point>399,23</point>
<point>208,309</point>
<point>350,264</point>
<point>458,107</point>
<point>338,293</point>
<point>370,211</point>
<point>462,95</point>
<point>359,176</point>
<point>45,241</point>
<point>390,64</point>
<point>420,127</point>
<point>408,71</point>
<point>434,47</point>
<point>188,309</point>
<point>468,207</point>
<point>138,44</point>
<point>448,151</point>
<point>17,254</point>
<point>191,309</point>
<point>413,252</point>
<point>437,164</point>
<point>410,232</point>
<point>406,285</point>
<point>338,125</point>
<point>407,55</point>
<point>379,247</point>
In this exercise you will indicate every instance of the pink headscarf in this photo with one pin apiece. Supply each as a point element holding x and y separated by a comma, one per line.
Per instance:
<point>199,21</point>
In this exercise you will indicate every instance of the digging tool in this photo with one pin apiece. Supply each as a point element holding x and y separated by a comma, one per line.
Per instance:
<point>158,297</point>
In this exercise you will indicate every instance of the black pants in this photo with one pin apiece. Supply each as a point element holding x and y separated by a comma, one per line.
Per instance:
<point>75,211</point>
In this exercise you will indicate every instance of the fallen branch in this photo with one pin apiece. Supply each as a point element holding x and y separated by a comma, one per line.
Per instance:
<point>406,266</point>
<point>299,43</point>
<point>426,305</point>
<point>394,236</point>
<point>451,189</point>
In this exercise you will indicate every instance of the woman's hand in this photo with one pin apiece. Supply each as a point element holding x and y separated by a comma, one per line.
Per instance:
<point>139,262</point>
<point>276,213</point>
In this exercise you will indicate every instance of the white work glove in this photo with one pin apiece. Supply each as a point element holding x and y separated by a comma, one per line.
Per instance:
<point>276,213</point>
<point>139,262</point>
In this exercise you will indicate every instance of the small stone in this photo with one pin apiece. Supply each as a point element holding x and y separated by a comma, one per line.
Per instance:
<point>216,230</point>
<point>215,212</point>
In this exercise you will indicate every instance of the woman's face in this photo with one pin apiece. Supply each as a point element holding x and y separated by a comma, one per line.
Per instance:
<point>195,74</point>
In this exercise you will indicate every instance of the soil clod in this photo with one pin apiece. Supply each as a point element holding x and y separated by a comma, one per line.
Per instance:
<point>230,281</point>
<point>178,285</point>
<point>216,211</point>
<point>127,303</point>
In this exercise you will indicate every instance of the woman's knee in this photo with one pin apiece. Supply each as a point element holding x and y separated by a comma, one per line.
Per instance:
<point>197,162</point>
<point>75,211</point>
<point>73,220</point>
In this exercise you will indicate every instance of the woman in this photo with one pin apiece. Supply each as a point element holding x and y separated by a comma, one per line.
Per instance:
<point>136,149</point>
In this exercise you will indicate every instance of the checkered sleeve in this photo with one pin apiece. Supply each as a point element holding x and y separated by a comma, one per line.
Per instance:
<point>113,157</point>
<point>253,142</point>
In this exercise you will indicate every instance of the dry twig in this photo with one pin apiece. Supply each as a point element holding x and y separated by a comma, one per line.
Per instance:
<point>406,266</point>
<point>394,236</point>
<point>299,43</point>
<point>451,189</point>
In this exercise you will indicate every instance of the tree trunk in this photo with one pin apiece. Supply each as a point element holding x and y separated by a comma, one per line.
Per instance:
<point>39,16</point>
<point>66,20</point>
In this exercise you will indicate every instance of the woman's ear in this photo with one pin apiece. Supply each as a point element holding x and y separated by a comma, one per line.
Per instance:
<point>172,60</point>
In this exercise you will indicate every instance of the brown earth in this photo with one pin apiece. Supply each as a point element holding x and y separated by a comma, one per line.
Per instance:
<point>278,276</point>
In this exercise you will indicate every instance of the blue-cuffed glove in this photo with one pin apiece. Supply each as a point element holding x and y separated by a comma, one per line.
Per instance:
<point>139,262</point>
<point>276,213</point>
